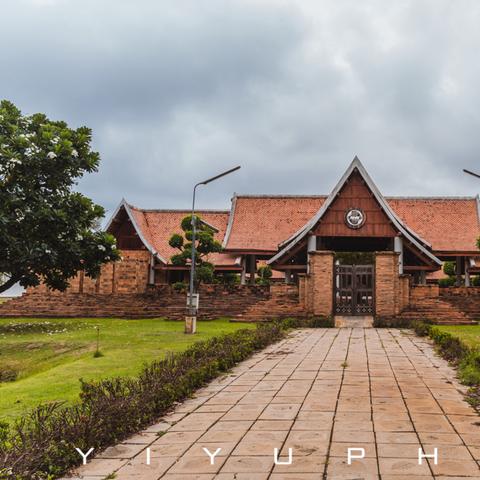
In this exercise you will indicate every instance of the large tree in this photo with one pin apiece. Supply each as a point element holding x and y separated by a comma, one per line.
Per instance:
<point>48,231</point>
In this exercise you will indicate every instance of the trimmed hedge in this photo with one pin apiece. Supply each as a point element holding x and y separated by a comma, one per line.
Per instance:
<point>42,444</point>
<point>453,349</point>
<point>391,322</point>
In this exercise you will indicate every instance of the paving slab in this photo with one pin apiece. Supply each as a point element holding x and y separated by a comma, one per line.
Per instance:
<point>304,402</point>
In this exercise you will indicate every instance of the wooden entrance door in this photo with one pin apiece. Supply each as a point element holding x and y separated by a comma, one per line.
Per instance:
<point>354,290</point>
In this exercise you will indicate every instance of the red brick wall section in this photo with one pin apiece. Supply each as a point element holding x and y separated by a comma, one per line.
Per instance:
<point>387,284</point>
<point>129,275</point>
<point>320,283</point>
<point>243,302</point>
<point>420,292</point>
<point>302,287</point>
<point>466,299</point>
<point>404,291</point>
<point>131,272</point>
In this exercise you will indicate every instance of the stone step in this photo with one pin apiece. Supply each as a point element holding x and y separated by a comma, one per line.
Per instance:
<point>364,321</point>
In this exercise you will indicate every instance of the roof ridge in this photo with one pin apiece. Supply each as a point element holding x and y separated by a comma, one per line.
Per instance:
<point>427,197</point>
<point>275,195</point>
<point>179,210</point>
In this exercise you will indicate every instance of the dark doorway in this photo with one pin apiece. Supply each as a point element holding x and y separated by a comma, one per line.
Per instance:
<point>355,244</point>
<point>354,289</point>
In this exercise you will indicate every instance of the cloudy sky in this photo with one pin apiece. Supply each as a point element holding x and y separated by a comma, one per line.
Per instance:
<point>177,90</point>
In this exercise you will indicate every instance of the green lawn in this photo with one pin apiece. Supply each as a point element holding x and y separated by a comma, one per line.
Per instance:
<point>470,334</point>
<point>50,363</point>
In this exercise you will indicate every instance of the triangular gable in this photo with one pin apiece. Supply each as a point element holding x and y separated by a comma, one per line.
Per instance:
<point>356,165</point>
<point>138,229</point>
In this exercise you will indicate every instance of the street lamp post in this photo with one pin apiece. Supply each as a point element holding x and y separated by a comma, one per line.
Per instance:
<point>191,318</point>
<point>471,173</point>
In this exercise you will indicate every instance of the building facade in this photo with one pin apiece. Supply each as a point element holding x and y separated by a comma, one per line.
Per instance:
<point>353,252</point>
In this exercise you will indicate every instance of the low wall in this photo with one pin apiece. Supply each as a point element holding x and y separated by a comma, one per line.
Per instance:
<point>421,292</point>
<point>467,299</point>
<point>460,292</point>
<point>246,302</point>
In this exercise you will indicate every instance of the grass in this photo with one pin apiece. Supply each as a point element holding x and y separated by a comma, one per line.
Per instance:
<point>50,363</point>
<point>470,334</point>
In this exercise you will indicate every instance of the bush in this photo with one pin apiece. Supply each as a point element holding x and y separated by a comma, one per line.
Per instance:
<point>391,322</point>
<point>179,286</point>
<point>264,275</point>
<point>476,281</point>
<point>449,268</point>
<point>422,329</point>
<point>469,369</point>
<point>8,374</point>
<point>311,322</point>
<point>43,443</point>
<point>453,349</point>
<point>446,282</point>
<point>228,279</point>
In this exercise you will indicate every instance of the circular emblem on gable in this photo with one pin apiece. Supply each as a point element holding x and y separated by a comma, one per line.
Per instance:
<point>355,217</point>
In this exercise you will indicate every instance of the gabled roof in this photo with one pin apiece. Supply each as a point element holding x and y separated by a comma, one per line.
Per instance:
<point>155,227</point>
<point>260,222</point>
<point>356,165</point>
<point>450,224</point>
<point>267,223</point>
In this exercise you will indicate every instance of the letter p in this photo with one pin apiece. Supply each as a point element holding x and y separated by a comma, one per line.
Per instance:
<point>351,456</point>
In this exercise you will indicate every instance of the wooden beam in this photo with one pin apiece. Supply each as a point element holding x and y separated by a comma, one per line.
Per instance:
<point>411,268</point>
<point>285,266</point>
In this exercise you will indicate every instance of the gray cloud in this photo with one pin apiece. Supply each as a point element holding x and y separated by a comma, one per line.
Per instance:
<point>176,90</point>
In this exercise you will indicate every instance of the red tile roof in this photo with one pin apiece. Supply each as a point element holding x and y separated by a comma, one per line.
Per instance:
<point>260,223</point>
<point>157,226</point>
<point>448,224</point>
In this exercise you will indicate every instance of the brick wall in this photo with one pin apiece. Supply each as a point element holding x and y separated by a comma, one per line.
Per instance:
<point>466,299</point>
<point>128,275</point>
<point>404,284</point>
<point>302,290</point>
<point>242,302</point>
<point>387,284</point>
<point>319,287</point>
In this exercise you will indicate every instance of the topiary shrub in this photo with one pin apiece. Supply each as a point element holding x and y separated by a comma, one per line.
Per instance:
<point>449,268</point>
<point>446,282</point>
<point>264,275</point>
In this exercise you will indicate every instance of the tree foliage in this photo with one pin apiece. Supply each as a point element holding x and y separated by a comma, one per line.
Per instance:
<point>264,275</point>
<point>205,244</point>
<point>449,268</point>
<point>47,229</point>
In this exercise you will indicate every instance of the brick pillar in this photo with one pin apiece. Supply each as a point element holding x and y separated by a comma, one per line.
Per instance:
<point>302,287</point>
<point>387,284</point>
<point>320,283</point>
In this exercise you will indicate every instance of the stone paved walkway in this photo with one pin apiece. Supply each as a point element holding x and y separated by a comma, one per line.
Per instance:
<point>318,392</point>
